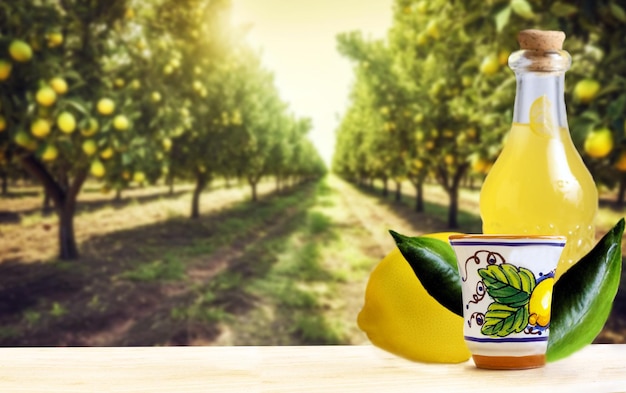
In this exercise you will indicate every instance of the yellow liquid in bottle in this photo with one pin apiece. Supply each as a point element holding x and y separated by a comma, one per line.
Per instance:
<point>540,186</point>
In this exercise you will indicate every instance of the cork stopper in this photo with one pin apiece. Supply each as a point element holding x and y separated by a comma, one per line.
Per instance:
<point>541,51</point>
<point>541,40</point>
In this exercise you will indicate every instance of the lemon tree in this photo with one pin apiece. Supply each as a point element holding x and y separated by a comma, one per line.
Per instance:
<point>59,56</point>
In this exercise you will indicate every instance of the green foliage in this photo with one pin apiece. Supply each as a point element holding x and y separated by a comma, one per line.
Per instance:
<point>148,90</point>
<point>316,330</point>
<point>170,268</point>
<point>435,96</point>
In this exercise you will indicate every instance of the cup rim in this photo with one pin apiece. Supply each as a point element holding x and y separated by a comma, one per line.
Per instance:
<point>478,236</point>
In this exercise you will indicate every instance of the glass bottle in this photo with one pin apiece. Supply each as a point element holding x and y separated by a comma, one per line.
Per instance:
<point>539,184</point>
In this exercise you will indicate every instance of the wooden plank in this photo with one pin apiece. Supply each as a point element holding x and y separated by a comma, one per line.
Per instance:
<point>597,368</point>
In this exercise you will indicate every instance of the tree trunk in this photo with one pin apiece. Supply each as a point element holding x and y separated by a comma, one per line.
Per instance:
<point>453,208</point>
<point>453,193</point>
<point>277,183</point>
<point>398,196</point>
<point>253,181</point>
<point>419,196</point>
<point>201,182</point>
<point>619,203</point>
<point>63,194</point>
<point>67,240</point>
<point>170,183</point>
<point>5,183</point>
<point>46,207</point>
<point>118,194</point>
<point>385,187</point>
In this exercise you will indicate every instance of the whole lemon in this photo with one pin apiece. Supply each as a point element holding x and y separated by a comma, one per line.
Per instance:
<point>49,153</point>
<point>139,177</point>
<point>40,128</point>
<point>20,51</point>
<point>97,169</point>
<point>5,69</point>
<point>599,143</point>
<point>105,106</point>
<point>89,147</point>
<point>400,317</point>
<point>121,123</point>
<point>586,90</point>
<point>490,65</point>
<point>59,85</point>
<point>66,122</point>
<point>621,162</point>
<point>46,96</point>
<point>106,153</point>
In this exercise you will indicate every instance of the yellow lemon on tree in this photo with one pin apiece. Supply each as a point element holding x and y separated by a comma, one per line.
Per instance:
<point>432,29</point>
<point>121,123</point>
<point>66,122</point>
<point>97,169</point>
<point>49,153</point>
<point>54,38</point>
<point>599,143</point>
<point>399,316</point>
<point>479,164</point>
<point>22,139</point>
<point>139,177</point>
<point>167,144</point>
<point>5,69</point>
<point>20,51</point>
<point>89,147</point>
<point>59,85</point>
<point>89,127</point>
<point>621,162</point>
<point>539,305</point>
<point>40,128</point>
<point>503,57</point>
<point>46,96</point>
<point>106,153</point>
<point>586,90</point>
<point>105,106</point>
<point>490,65</point>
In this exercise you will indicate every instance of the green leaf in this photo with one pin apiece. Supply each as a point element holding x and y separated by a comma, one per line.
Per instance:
<point>561,9</point>
<point>502,18</point>
<point>502,320</point>
<point>618,12</point>
<point>583,296</point>
<point>522,8</point>
<point>507,284</point>
<point>434,263</point>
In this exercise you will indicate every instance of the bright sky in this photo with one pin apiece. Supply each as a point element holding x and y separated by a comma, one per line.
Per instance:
<point>297,39</point>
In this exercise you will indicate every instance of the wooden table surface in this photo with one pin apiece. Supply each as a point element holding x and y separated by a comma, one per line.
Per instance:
<point>597,368</point>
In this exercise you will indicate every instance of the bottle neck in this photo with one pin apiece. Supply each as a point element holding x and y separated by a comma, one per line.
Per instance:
<point>533,85</point>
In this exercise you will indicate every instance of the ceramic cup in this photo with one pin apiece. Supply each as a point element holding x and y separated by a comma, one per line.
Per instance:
<point>507,292</point>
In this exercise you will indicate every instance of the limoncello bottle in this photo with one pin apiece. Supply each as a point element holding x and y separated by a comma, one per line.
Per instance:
<point>539,184</point>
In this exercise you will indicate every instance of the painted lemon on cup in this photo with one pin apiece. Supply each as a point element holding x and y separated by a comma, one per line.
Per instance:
<point>400,317</point>
<point>540,302</point>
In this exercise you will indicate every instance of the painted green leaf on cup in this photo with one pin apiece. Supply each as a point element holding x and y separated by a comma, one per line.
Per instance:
<point>434,263</point>
<point>583,296</point>
<point>502,320</point>
<point>508,284</point>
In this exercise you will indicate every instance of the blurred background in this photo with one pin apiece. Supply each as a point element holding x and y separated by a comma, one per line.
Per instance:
<point>224,172</point>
